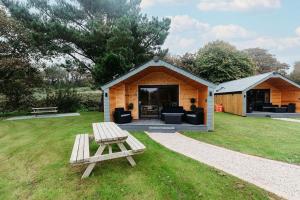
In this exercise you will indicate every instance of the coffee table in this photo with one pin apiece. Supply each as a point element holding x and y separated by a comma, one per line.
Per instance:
<point>173,118</point>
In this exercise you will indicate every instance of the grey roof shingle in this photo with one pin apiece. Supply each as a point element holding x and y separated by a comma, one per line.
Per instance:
<point>241,84</point>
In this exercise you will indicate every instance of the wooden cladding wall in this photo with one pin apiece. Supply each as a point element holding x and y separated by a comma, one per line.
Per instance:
<point>116,98</point>
<point>291,96</point>
<point>123,94</point>
<point>202,101</point>
<point>274,92</point>
<point>232,103</point>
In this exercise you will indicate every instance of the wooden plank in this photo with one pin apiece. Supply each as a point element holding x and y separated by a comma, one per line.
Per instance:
<point>91,166</point>
<point>96,133</point>
<point>109,149</point>
<point>138,144</point>
<point>80,149</point>
<point>110,135</point>
<point>103,132</point>
<point>131,143</point>
<point>115,155</point>
<point>115,131</point>
<point>73,158</point>
<point>45,108</point>
<point>39,112</point>
<point>107,132</point>
<point>111,130</point>
<point>86,149</point>
<point>135,144</point>
<point>232,103</point>
<point>121,134</point>
<point>129,158</point>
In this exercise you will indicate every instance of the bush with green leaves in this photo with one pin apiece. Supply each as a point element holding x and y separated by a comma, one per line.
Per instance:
<point>219,62</point>
<point>67,100</point>
<point>90,101</point>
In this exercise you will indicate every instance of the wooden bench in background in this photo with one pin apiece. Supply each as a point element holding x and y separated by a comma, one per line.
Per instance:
<point>44,110</point>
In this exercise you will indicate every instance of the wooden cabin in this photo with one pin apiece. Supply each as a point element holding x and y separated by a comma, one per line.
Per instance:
<point>146,89</point>
<point>266,94</point>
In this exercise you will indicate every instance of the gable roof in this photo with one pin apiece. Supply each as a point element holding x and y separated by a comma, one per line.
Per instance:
<point>245,84</point>
<point>157,63</point>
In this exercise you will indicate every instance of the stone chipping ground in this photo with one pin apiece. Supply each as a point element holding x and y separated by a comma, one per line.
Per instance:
<point>277,177</point>
<point>288,119</point>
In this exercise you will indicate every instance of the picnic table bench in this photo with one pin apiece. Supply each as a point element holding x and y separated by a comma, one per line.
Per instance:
<point>105,134</point>
<point>43,110</point>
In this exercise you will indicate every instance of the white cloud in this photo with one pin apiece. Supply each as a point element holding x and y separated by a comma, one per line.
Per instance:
<point>298,31</point>
<point>188,34</point>
<point>237,5</point>
<point>181,23</point>
<point>272,43</point>
<point>149,3</point>
<point>230,31</point>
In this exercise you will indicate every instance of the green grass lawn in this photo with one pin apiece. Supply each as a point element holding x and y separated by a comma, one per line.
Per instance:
<point>265,137</point>
<point>35,153</point>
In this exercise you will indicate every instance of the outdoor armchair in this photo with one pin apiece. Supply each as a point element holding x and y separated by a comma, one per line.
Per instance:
<point>195,117</point>
<point>121,116</point>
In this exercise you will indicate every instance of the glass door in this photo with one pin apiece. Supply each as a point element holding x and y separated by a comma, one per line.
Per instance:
<point>148,102</point>
<point>153,98</point>
<point>256,99</point>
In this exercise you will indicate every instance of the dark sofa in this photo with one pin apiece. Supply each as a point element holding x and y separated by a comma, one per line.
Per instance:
<point>195,117</point>
<point>290,108</point>
<point>177,109</point>
<point>269,107</point>
<point>121,116</point>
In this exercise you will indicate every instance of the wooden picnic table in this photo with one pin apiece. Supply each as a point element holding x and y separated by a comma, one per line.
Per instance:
<point>108,133</point>
<point>105,134</point>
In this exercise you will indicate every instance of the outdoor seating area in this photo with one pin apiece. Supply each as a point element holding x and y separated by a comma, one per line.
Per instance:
<point>169,115</point>
<point>177,115</point>
<point>269,107</point>
<point>105,134</point>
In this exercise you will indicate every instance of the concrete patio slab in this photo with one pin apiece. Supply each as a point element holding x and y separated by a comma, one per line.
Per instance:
<point>43,116</point>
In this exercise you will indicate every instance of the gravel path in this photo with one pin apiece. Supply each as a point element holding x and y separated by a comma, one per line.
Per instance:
<point>277,177</point>
<point>288,119</point>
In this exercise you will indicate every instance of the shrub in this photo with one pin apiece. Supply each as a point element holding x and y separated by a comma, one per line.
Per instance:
<point>90,101</point>
<point>67,100</point>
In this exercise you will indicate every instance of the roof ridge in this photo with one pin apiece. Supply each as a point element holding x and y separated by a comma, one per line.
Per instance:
<point>248,77</point>
<point>155,63</point>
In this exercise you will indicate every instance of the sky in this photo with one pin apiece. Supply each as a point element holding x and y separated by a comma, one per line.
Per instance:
<point>270,24</point>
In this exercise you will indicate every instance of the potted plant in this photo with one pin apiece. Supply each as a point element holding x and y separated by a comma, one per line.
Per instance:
<point>130,106</point>
<point>193,106</point>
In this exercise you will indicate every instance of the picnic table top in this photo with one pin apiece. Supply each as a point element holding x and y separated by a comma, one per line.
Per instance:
<point>108,132</point>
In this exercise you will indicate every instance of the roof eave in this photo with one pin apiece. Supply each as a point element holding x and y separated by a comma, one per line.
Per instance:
<point>158,63</point>
<point>272,75</point>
